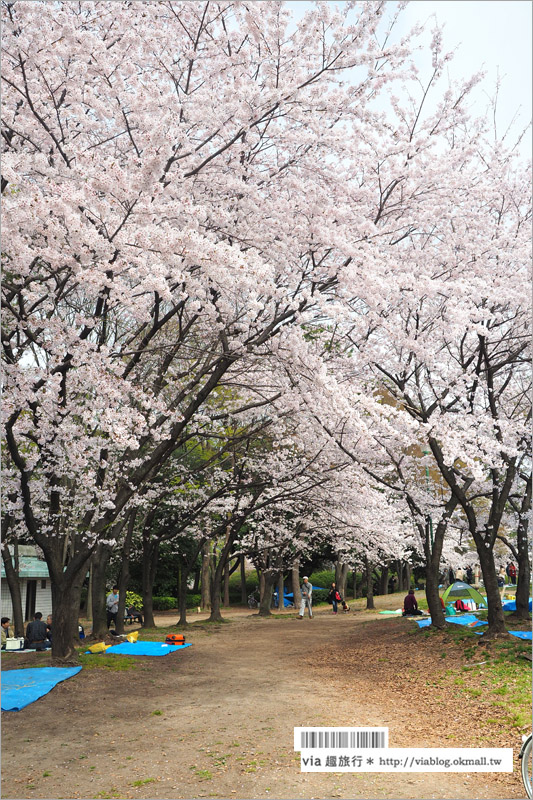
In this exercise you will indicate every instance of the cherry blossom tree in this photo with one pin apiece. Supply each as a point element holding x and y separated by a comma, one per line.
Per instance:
<point>161,201</point>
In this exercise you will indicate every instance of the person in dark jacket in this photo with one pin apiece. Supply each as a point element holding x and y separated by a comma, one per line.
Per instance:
<point>36,634</point>
<point>410,605</point>
<point>335,597</point>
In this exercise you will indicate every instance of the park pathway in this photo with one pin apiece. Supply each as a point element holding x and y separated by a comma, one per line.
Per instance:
<point>216,720</point>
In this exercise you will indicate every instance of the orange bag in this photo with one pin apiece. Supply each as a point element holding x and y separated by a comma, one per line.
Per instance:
<point>175,638</point>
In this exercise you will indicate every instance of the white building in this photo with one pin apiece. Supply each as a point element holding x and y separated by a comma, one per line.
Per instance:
<point>35,585</point>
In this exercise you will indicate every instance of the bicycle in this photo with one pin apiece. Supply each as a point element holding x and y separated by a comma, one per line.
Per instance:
<point>252,601</point>
<point>526,764</point>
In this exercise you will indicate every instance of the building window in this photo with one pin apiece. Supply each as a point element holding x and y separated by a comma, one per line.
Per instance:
<point>43,584</point>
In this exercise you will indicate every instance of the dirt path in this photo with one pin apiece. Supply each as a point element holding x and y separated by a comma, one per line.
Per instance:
<point>229,705</point>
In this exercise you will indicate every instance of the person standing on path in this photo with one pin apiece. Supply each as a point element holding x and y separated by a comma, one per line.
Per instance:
<point>112,606</point>
<point>307,598</point>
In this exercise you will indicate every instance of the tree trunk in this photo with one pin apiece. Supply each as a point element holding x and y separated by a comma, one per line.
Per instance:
<point>150,557</point>
<point>186,567</point>
<point>244,593</point>
<point>66,594</point>
<point>295,577</point>
<point>196,584</point>
<point>369,585</point>
<point>125,572</point>
<point>269,579</point>
<point>100,561</point>
<point>90,592</point>
<point>215,615</point>
<point>262,585</point>
<point>384,580</point>
<point>13,583</point>
<point>495,616</point>
<point>226,583</point>
<point>205,602</point>
<point>341,574</point>
<point>182,594</point>
<point>523,579</point>
<point>407,575</point>
<point>281,591</point>
<point>522,556</point>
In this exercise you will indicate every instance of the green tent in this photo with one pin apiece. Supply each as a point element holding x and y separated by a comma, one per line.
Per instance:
<point>462,589</point>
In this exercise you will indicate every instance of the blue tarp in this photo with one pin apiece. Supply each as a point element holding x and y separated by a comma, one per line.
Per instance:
<point>510,605</point>
<point>287,599</point>
<point>423,623</point>
<point>519,634</point>
<point>144,648</point>
<point>522,634</point>
<point>466,619</point>
<point>20,687</point>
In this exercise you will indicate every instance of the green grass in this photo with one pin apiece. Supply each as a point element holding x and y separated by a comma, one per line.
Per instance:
<point>142,781</point>
<point>157,713</point>
<point>112,663</point>
<point>500,672</point>
<point>203,774</point>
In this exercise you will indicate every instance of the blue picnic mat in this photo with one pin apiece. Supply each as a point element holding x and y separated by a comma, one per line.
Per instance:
<point>522,634</point>
<point>466,619</point>
<point>144,648</point>
<point>423,623</point>
<point>510,605</point>
<point>20,687</point>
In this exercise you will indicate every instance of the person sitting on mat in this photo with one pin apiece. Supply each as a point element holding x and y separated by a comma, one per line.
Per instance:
<point>37,634</point>
<point>410,605</point>
<point>6,633</point>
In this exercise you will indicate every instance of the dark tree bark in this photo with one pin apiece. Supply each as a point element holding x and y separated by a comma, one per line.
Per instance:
<point>13,583</point>
<point>226,576</point>
<point>369,584</point>
<point>215,615</point>
<point>521,555</point>
<point>269,580</point>
<point>261,584</point>
<point>384,579</point>
<point>295,575</point>
<point>196,584</point>
<point>244,593</point>
<point>99,591</point>
<point>341,574</point>
<point>186,566</point>
<point>125,572</point>
<point>150,559</point>
<point>206,581</point>
<point>407,575</point>
<point>281,591</point>
<point>486,538</point>
<point>66,594</point>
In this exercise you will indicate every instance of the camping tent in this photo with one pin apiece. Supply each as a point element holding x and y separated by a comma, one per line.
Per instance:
<point>462,589</point>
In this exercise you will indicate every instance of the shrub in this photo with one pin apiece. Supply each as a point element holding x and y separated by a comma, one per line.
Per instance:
<point>164,603</point>
<point>193,600</point>
<point>134,599</point>
<point>252,583</point>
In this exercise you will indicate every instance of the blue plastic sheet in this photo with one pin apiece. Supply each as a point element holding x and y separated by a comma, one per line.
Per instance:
<point>510,605</point>
<point>20,687</point>
<point>522,634</point>
<point>466,619</point>
<point>144,648</point>
<point>423,623</point>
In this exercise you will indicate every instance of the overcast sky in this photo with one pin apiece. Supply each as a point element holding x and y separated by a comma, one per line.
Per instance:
<point>495,35</point>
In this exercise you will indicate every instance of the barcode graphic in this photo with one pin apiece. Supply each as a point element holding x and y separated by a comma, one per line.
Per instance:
<point>341,739</point>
